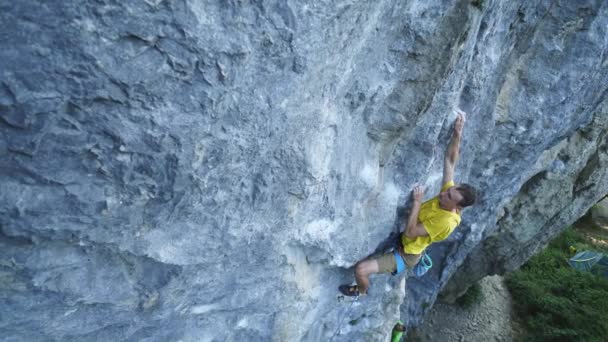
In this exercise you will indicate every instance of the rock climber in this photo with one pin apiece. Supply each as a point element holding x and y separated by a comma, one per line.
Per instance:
<point>428,222</point>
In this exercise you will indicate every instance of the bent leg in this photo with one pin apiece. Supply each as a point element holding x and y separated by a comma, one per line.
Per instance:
<point>362,271</point>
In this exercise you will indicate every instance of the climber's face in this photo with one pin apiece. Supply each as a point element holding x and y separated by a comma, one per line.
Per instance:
<point>450,199</point>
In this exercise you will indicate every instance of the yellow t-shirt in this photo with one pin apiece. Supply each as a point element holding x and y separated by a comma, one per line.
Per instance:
<point>439,223</point>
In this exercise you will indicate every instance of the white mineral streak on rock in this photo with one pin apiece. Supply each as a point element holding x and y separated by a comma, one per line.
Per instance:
<point>321,145</point>
<point>320,230</point>
<point>433,182</point>
<point>69,312</point>
<point>476,232</point>
<point>242,323</point>
<point>369,175</point>
<point>203,309</point>
<point>391,195</point>
<point>303,274</point>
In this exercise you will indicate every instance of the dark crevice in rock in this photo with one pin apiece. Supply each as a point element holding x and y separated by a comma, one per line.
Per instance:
<point>533,183</point>
<point>18,241</point>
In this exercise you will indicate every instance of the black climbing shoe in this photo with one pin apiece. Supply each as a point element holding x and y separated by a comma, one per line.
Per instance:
<point>349,290</point>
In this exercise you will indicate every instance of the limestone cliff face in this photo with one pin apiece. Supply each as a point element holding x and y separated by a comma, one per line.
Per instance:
<point>210,171</point>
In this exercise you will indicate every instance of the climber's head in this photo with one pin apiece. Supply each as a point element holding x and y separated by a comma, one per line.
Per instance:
<point>457,197</point>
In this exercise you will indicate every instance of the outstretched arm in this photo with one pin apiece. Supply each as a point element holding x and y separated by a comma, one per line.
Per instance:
<point>451,155</point>
<point>414,228</point>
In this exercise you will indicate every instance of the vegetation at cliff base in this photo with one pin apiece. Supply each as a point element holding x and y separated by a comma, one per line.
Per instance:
<point>473,295</point>
<point>556,302</point>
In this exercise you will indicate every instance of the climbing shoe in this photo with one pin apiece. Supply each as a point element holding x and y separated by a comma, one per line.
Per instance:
<point>349,290</point>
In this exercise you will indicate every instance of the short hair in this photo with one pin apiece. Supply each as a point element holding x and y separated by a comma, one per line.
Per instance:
<point>469,195</point>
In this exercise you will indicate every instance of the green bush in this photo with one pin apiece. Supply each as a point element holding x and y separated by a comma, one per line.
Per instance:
<point>473,295</point>
<point>556,302</point>
<point>567,238</point>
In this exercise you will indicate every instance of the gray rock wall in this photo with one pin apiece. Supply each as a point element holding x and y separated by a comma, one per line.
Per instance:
<point>210,171</point>
<point>599,212</point>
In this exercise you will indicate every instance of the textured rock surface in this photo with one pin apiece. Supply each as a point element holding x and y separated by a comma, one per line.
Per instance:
<point>599,212</point>
<point>209,171</point>
<point>487,319</point>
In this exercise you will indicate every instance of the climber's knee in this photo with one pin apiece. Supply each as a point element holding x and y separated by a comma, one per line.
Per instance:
<point>366,267</point>
<point>360,269</point>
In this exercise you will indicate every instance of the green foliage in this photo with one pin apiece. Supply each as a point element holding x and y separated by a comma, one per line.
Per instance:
<point>556,302</point>
<point>473,295</point>
<point>567,238</point>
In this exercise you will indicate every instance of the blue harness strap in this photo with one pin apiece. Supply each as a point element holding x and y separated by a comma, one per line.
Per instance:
<point>399,261</point>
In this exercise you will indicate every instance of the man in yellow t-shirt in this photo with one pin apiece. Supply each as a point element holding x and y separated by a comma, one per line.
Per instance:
<point>428,222</point>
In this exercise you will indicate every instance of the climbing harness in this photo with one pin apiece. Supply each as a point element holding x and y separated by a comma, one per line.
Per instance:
<point>400,262</point>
